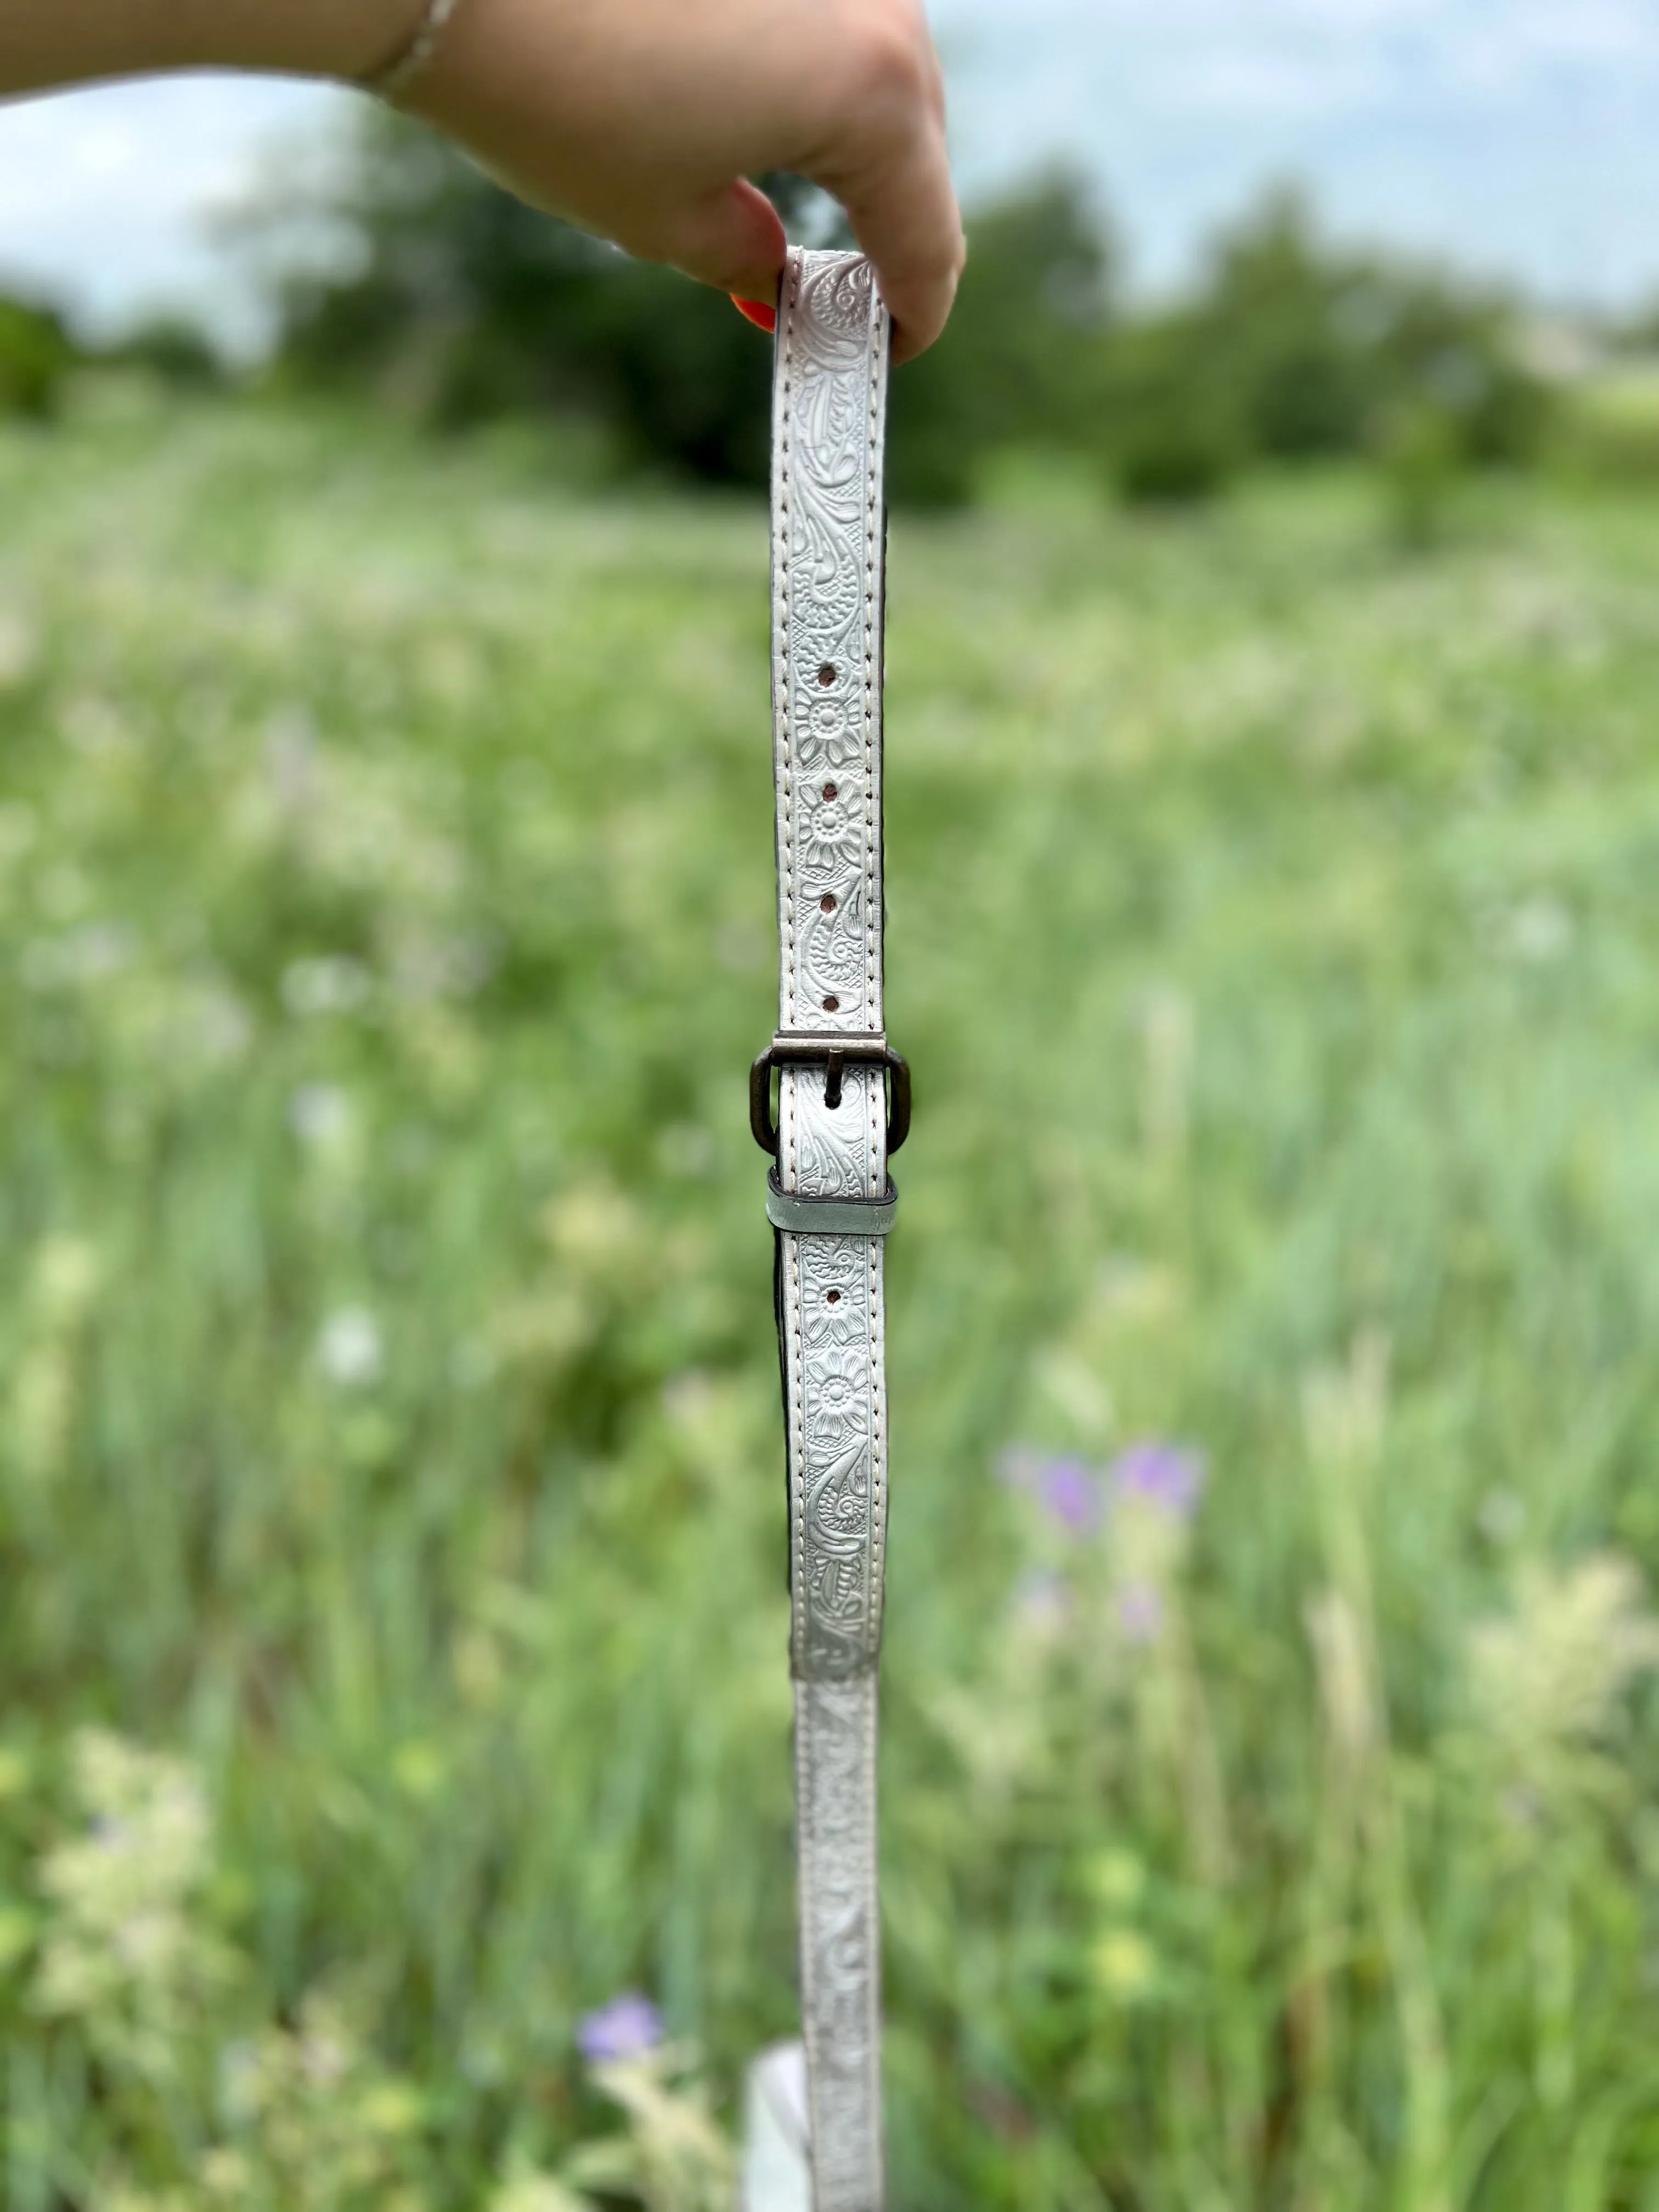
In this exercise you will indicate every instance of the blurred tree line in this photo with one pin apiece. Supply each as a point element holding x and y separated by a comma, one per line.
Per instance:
<point>452,302</point>
<point>462,305</point>
<point>36,353</point>
<point>39,353</point>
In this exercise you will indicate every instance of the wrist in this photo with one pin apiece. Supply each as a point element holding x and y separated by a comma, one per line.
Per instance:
<point>78,40</point>
<point>349,40</point>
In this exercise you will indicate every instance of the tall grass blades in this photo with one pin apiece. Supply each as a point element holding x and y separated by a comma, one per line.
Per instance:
<point>394,1774</point>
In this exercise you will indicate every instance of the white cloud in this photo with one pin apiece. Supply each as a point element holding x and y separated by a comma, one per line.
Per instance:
<point>1515,134</point>
<point>105,193</point>
<point>1220,83</point>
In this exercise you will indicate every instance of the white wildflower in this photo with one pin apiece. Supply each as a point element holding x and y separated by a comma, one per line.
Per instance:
<point>1501,1517</point>
<point>319,1114</point>
<point>424,968</point>
<point>291,750</point>
<point>311,2117</point>
<point>335,983</point>
<point>349,1349</point>
<point>90,953</point>
<point>675,2158</point>
<point>67,1273</point>
<point>125,1951</point>
<point>1548,1684</point>
<point>93,727</point>
<point>1538,929</point>
<point>214,1028</point>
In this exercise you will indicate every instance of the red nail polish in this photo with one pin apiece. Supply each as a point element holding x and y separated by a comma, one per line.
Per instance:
<point>756,311</point>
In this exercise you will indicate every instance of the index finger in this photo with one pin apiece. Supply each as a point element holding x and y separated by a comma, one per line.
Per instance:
<point>888,167</point>
<point>904,212</point>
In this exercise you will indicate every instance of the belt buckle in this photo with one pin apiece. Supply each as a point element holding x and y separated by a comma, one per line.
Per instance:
<point>803,1049</point>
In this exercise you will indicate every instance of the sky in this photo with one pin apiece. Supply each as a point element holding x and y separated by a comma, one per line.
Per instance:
<point>1520,137</point>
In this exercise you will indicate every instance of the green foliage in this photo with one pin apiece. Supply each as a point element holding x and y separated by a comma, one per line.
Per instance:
<point>1170,416</point>
<point>466,306</point>
<point>1418,452</point>
<point>1608,429</point>
<point>1319,344</point>
<point>1289,349</point>
<point>390,1453</point>
<point>36,354</point>
<point>463,306</point>
<point>173,349</point>
<point>1293,329</point>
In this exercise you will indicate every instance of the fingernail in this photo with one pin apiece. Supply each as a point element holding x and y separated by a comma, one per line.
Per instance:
<point>756,311</point>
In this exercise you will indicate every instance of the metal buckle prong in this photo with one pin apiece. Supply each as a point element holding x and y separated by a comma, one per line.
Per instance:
<point>831,1052</point>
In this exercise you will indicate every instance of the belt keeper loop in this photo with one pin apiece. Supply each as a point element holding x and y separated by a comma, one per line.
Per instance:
<point>830,1217</point>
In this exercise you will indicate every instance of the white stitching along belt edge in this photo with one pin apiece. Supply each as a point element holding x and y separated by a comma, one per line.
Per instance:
<point>829,1196</point>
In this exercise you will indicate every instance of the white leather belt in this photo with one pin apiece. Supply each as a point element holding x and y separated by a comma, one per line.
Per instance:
<point>829,1197</point>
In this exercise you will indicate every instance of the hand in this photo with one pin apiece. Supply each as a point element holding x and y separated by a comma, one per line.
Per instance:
<point>640,119</point>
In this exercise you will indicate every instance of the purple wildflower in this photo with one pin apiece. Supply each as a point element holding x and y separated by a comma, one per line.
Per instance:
<point>1141,1613</point>
<point>1071,1491</point>
<point>1065,1487</point>
<point>1168,1476</point>
<point>627,2028</point>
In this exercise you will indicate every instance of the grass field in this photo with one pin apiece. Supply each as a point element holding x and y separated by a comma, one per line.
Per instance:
<point>392,1615</point>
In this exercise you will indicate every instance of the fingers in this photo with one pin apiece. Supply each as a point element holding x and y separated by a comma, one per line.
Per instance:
<point>876,143</point>
<point>885,162</point>
<point>732,238</point>
<point>640,119</point>
<point>905,215</point>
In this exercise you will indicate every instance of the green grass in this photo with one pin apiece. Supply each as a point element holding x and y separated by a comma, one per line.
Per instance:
<point>390,1430</point>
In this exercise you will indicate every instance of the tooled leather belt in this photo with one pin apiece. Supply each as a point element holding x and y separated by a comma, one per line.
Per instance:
<point>829,1197</point>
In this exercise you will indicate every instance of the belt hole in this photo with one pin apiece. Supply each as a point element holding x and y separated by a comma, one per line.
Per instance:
<point>832,1297</point>
<point>827,672</point>
<point>832,1005</point>
<point>829,790</point>
<point>827,903</point>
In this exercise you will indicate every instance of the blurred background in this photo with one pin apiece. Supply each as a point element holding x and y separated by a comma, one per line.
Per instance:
<point>394,1775</point>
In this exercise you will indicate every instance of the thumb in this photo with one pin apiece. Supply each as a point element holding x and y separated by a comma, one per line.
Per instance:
<point>732,239</point>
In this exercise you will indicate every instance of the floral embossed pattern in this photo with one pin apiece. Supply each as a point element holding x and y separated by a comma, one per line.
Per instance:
<point>836,1727</point>
<point>827,565</point>
<point>829,557</point>
<point>827,612</point>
